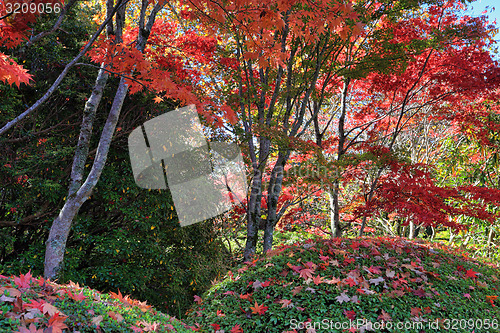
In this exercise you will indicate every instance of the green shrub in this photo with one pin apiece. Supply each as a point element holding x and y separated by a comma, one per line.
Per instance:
<point>341,284</point>
<point>35,305</point>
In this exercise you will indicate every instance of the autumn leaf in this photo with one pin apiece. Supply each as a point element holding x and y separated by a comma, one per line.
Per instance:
<point>310,289</point>
<point>296,290</point>
<point>415,312</point>
<point>376,281</point>
<point>419,292</point>
<point>257,284</point>
<point>350,281</point>
<point>350,314</point>
<point>4,298</point>
<point>11,72</point>
<point>384,316</point>
<point>334,263</point>
<point>481,284</point>
<point>286,303</point>
<point>198,299</point>
<point>23,281</point>
<point>373,269</point>
<point>491,299</point>
<point>348,261</point>
<point>354,245</point>
<point>317,279</point>
<point>236,329</point>
<point>389,273</point>
<point>265,284</point>
<point>135,328</point>
<point>56,323</point>
<point>149,327</point>
<point>116,316</point>
<point>343,297</point>
<point>77,297</point>
<point>51,310</point>
<point>306,273</point>
<point>31,329</point>
<point>259,309</point>
<point>158,99</point>
<point>333,280</point>
<point>471,274</point>
<point>97,320</point>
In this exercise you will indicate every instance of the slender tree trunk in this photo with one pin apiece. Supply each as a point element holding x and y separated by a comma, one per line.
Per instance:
<point>335,225</point>
<point>336,228</point>
<point>274,191</point>
<point>490,240</point>
<point>452,236</point>
<point>254,202</point>
<point>253,215</point>
<point>82,148</point>
<point>411,233</point>
<point>59,232</point>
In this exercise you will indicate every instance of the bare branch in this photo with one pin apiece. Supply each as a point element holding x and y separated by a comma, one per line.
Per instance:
<point>54,28</point>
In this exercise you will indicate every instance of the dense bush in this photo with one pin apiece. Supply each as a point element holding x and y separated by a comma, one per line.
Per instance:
<point>35,305</point>
<point>124,237</point>
<point>340,284</point>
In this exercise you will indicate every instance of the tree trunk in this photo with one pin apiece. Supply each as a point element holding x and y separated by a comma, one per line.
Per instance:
<point>82,148</point>
<point>58,236</point>
<point>411,233</point>
<point>336,228</point>
<point>333,196</point>
<point>59,232</point>
<point>490,240</point>
<point>274,191</point>
<point>253,215</point>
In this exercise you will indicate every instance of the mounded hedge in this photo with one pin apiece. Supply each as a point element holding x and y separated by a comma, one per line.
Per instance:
<point>35,305</point>
<point>340,285</point>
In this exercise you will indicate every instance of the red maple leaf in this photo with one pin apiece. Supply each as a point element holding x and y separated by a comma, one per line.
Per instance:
<point>259,309</point>
<point>350,281</point>
<point>265,284</point>
<point>471,274</point>
<point>236,329</point>
<point>77,297</point>
<point>306,273</point>
<point>355,245</point>
<point>23,281</point>
<point>374,269</point>
<point>56,323</point>
<point>317,279</point>
<point>348,261</point>
<point>285,303</point>
<point>415,312</point>
<point>491,299</point>
<point>384,316</point>
<point>350,314</point>
<point>31,329</point>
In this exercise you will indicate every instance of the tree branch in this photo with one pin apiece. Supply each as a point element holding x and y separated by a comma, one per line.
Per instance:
<point>54,28</point>
<point>61,76</point>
